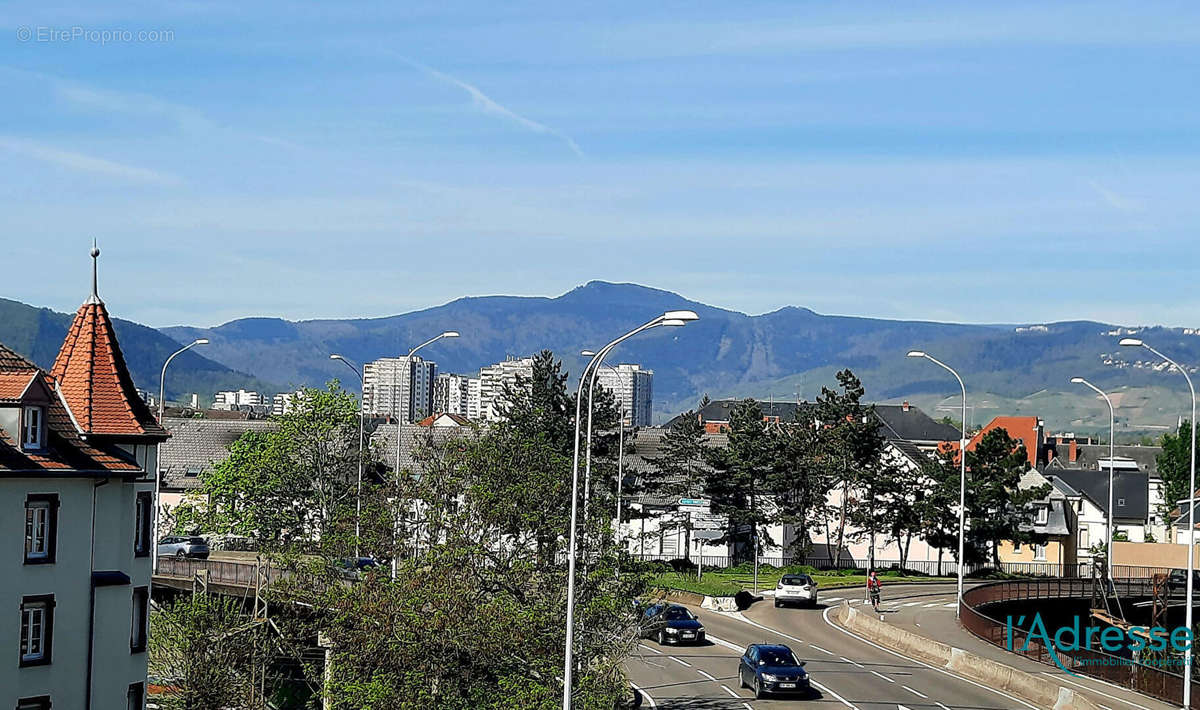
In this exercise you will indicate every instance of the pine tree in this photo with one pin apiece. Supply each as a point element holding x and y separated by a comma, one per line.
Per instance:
<point>679,472</point>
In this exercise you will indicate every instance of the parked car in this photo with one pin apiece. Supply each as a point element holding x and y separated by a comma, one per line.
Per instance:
<point>355,567</point>
<point>796,589</point>
<point>180,546</point>
<point>772,668</point>
<point>1177,580</point>
<point>671,623</point>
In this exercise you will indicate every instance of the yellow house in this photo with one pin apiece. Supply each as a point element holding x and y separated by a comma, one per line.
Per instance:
<point>1054,516</point>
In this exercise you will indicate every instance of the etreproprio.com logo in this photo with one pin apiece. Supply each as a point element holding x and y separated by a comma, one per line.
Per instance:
<point>1109,639</point>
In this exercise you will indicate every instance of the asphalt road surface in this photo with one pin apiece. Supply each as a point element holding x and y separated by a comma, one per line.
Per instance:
<point>847,671</point>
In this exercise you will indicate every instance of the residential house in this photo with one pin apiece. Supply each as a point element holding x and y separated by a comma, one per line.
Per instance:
<point>78,448</point>
<point>1055,517</point>
<point>1088,488</point>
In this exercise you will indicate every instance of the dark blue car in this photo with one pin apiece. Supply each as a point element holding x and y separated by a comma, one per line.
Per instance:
<point>772,668</point>
<point>671,623</point>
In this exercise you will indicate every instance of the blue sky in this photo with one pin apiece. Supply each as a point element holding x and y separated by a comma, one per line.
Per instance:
<point>998,162</point>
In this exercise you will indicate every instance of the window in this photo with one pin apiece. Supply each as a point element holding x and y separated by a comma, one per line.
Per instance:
<point>1017,546</point>
<point>41,702</point>
<point>31,430</point>
<point>1043,514</point>
<point>137,633</point>
<point>1120,502</point>
<point>141,525</point>
<point>1084,538</point>
<point>37,629</point>
<point>41,528</point>
<point>1039,552</point>
<point>135,699</point>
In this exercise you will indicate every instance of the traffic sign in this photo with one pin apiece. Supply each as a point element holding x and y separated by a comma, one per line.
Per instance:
<point>708,534</point>
<point>707,521</point>
<point>693,502</point>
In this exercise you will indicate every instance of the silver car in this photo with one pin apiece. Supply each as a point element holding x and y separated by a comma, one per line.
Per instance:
<point>183,546</point>
<point>796,589</point>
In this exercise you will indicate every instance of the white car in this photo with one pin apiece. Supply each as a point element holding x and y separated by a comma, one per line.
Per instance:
<point>796,589</point>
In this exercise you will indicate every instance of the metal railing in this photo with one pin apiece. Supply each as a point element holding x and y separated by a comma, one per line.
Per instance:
<point>1118,670</point>
<point>946,568</point>
<point>234,573</point>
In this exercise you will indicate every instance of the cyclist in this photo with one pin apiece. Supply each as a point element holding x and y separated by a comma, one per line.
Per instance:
<point>873,586</point>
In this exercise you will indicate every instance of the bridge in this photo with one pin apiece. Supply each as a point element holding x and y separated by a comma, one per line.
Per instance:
<point>239,578</point>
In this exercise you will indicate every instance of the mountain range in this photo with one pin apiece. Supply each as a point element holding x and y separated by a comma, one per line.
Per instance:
<point>787,353</point>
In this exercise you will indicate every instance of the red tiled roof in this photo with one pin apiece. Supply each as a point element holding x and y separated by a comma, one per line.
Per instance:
<point>65,450</point>
<point>13,384</point>
<point>91,373</point>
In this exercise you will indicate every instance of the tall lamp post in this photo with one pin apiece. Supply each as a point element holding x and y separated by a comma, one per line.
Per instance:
<point>1187,656</point>
<point>362,386</point>
<point>162,393</point>
<point>399,422</point>
<point>620,458</point>
<point>1112,431</point>
<point>962,480</point>
<point>670,318</point>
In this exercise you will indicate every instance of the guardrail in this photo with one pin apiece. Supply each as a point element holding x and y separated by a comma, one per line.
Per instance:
<point>1118,670</point>
<point>235,573</point>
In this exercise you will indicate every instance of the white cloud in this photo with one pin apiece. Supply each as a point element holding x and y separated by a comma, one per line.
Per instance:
<point>84,163</point>
<point>487,105</point>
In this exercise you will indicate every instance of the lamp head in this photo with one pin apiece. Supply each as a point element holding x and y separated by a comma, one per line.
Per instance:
<point>916,353</point>
<point>1078,381</point>
<point>674,322</point>
<point>336,357</point>
<point>587,353</point>
<point>450,334</point>
<point>1130,343</point>
<point>201,341</point>
<point>680,316</point>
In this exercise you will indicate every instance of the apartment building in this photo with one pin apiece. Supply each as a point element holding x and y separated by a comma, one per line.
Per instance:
<point>399,387</point>
<point>494,378</point>
<point>240,399</point>
<point>452,394</point>
<point>634,390</point>
<point>77,448</point>
<point>283,403</point>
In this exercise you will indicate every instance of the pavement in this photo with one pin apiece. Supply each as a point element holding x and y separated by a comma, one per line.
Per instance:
<point>848,671</point>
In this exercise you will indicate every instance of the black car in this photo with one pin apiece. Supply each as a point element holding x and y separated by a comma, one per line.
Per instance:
<point>772,668</point>
<point>671,623</point>
<point>1177,580</point>
<point>355,567</point>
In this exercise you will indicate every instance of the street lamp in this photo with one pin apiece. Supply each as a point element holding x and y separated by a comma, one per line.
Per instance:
<point>670,318</point>
<point>620,460</point>
<point>162,393</point>
<point>399,423</point>
<point>362,386</point>
<point>962,481</point>
<point>1187,663</point>
<point>1112,431</point>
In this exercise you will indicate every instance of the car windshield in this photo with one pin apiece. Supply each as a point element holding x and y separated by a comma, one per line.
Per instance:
<point>796,580</point>
<point>778,657</point>
<point>678,613</point>
<point>195,540</point>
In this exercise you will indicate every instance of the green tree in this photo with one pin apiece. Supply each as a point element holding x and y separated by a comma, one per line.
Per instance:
<point>800,482</point>
<point>998,508</point>
<point>737,480</point>
<point>1174,465</point>
<point>679,472</point>
<point>938,507</point>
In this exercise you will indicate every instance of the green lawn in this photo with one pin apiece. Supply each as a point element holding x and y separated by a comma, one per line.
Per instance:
<point>727,583</point>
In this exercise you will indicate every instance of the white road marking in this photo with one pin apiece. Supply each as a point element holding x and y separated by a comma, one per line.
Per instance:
<point>644,695</point>
<point>853,663</point>
<point>747,706</point>
<point>727,644</point>
<point>648,648</point>
<point>831,653</point>
<point>825,615</point>
<point>727,690</point>
<point>823,689</point>
<point>706,675</point>
<point>1058,679</point>
<point>915,692</point>
<point>882,676</point>
<point>680,662</point>
<point>738,615</point>
<point>943,707</point>
<point>911,604</point>
<point>930,606</point>
<point>951,605</point>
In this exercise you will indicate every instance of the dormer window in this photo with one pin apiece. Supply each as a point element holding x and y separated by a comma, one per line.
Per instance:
<point>33,428</point>
<point>1043,514</point>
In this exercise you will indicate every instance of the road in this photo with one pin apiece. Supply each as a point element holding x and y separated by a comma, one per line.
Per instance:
<point>849,672</point>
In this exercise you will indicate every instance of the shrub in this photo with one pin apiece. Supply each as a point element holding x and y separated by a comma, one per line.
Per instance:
<point>681,565</point>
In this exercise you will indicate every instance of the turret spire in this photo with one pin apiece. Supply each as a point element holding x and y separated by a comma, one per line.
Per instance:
<point>95,297</point>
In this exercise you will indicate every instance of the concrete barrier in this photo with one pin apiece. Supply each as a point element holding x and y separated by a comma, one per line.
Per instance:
<point>1039,691</point>
<point>679,595</point>
<point>719,604</point>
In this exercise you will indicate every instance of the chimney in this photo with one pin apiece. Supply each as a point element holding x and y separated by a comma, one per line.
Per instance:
<point>1074,451</point>
<point>195,401</point>
<point>905,406</point>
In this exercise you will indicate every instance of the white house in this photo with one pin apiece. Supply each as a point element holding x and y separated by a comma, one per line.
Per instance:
<point>77,452</point>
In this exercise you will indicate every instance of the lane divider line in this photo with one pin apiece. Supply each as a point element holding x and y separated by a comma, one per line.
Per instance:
<point>722,642</point>
<point>831,653</point>
<point>648,648</point>
<point>727,690</point>
<point>840,699</point>
<point>890,680</point>
<point>943,671</point>
<point>915,692</point>
<point>680,661</point>
<point>706,675</point>
<point>853,663</point>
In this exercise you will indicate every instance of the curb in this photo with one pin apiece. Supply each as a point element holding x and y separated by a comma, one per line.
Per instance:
<point>1038,691</point>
